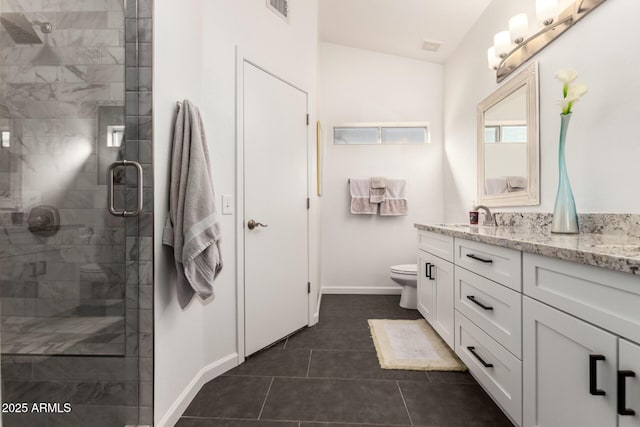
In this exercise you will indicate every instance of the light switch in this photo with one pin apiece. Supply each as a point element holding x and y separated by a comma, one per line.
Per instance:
<point>227,204</point>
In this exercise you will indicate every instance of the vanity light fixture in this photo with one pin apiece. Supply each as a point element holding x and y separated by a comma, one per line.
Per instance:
<point>514,47</point>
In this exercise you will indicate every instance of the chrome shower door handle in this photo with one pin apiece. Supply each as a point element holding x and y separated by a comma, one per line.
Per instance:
<point>111,190</point>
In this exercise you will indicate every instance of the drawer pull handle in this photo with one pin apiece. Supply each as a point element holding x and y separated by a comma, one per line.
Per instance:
<point>427,270</point>
<point>475,301</point>
<point>477,258</point>
<point>622,392</point>
<point>593,374</point>
<point>431,272</point>
<point>472,350</point>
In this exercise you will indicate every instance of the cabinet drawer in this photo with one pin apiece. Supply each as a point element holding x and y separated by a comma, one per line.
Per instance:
<point>493,262</point>
<point>436,244</point>
<point>502,380</point>
<point>496,309</point>
<point>607,298</point>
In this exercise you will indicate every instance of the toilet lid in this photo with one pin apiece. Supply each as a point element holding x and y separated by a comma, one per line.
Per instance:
<point>405,269</point>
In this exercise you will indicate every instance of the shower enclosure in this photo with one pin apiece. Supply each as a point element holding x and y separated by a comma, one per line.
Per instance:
<point>76,322</point>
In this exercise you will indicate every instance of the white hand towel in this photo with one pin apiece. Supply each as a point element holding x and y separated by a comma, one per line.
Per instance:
<point>360,203</point>
<point>378,188</point>
<point>516,183</point>
<point>495,185</point>
<point>395,200</point>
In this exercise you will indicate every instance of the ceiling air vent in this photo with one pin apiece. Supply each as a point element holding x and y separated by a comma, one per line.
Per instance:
<point>431,45</point>
<point>280,8</point>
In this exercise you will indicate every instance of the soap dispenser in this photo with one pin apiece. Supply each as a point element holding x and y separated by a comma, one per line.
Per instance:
<point>473,214</point>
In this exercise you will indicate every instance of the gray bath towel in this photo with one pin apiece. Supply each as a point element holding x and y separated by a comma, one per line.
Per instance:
<point>192,227</point>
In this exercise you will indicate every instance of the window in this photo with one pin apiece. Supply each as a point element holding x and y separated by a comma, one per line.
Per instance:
<point>381,134</point>
<point>503,133</point>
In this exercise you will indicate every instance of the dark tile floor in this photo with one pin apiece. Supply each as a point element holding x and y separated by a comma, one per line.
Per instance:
<point>328,376</point>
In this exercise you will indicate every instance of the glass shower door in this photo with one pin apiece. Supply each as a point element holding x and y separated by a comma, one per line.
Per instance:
<point>68,255</point>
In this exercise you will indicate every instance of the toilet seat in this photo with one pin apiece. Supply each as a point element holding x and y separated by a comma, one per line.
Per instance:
<point>407,269</point>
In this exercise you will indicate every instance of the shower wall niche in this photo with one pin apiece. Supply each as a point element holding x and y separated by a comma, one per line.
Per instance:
<point>73,325</point>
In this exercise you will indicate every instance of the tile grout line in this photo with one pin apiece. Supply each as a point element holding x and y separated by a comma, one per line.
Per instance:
<point>404,402</point>
<point>309,364</point>
<point>265,397</point>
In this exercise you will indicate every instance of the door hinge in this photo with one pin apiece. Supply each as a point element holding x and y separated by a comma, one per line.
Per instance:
<point>308,203</point>
<point>308,287</point>
<point>307,120</point>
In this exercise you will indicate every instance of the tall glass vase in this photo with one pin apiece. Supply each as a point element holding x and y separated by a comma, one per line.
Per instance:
<point>565,218</point>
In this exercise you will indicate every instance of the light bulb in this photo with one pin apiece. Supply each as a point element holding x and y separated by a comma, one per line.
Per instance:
<point>518,27</point>
<point>502,43</point>
<point>546,12</point>
<point>492,59</point>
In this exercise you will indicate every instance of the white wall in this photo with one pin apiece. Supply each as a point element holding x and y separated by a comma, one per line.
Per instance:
<point>179,337</point>
<point>362,86</point>
<point>194,54</point>
<point>603,142</point>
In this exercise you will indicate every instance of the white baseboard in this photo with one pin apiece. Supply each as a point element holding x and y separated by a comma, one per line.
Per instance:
<point>361,290</point>
<point>205,375</point>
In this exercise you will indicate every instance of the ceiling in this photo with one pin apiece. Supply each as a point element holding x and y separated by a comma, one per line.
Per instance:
<point>399,27</point>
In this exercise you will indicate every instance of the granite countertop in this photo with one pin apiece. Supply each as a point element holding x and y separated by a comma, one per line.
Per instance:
<point>605,243</point>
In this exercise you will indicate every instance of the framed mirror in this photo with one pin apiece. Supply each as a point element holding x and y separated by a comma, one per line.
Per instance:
<point>508,143</point>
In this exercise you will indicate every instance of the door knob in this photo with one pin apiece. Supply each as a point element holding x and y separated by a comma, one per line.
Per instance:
<point>252,224</point>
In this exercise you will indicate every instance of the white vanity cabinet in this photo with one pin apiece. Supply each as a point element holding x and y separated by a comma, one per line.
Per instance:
<point>488,304</point>
<point>555,343</point>
<point>435,283</point>
<point>569,370</point>
<point>579,365</point>
<point>628,378</point>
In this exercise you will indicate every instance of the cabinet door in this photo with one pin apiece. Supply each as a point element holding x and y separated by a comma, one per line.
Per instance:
<point>426,287</point>
<point>629,386</point>
<point>560,371</point>
<point>442,273</point>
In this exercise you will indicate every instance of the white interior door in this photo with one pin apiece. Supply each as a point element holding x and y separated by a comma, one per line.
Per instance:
<point>275,194</point>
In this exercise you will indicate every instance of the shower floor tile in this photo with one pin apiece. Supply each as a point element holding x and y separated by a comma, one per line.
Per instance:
<point>329,376</point>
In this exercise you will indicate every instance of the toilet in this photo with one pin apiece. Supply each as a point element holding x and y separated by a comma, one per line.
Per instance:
<point>406,276</point>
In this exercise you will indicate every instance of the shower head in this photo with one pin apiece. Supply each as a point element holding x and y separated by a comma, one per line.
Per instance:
<point>19,28</point>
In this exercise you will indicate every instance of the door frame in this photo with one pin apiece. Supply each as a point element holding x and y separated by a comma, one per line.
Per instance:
<point>239,196</point>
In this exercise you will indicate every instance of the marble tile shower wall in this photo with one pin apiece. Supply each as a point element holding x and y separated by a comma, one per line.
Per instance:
<point>49,97</point>
<point>48,108</point>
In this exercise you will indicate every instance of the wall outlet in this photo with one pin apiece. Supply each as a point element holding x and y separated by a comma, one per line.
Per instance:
<point>227,204</point>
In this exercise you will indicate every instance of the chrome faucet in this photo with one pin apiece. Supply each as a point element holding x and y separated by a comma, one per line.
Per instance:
<point>489,218</point>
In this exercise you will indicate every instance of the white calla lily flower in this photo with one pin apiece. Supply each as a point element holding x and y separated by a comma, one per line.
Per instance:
<point>576,91</point>
<point>566,75</point>
<point>571,92</point>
